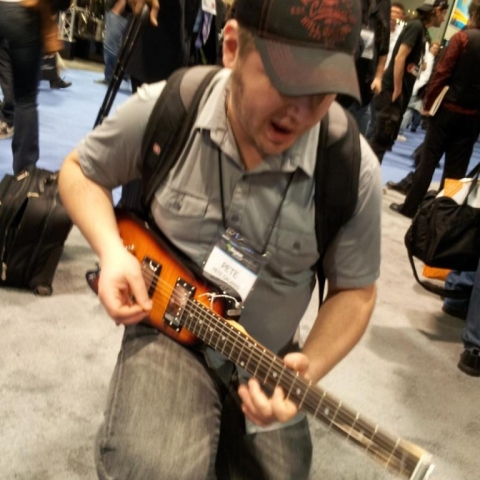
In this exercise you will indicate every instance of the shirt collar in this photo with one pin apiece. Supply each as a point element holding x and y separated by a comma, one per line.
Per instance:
<point>212,118</point>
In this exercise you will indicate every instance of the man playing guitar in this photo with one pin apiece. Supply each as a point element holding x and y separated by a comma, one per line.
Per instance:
<point>243,184</point>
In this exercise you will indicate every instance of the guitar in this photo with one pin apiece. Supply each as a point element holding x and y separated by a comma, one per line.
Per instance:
<point>183,308</point>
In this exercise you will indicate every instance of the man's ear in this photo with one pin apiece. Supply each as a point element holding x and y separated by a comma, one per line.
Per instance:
<point>230,43</point>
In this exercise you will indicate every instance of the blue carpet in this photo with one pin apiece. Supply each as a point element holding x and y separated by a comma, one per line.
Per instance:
<point>67,115</point>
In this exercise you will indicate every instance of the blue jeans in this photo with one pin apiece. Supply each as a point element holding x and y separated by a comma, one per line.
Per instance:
<point>170,417</point>
<point>20,26</point>
<point>115,26</point>
<point>471,332</point>
<point>458,281</point>
<point>362,115</point>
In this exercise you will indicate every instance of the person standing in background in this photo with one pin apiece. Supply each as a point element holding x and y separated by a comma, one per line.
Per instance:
<point>117,16</point>
<point>401,73</point>
<point>370,59</point>
<point>6,84</point>
<point>454,128</point>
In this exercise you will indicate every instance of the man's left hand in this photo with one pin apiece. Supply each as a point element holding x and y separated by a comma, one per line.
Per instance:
<point>263,410</point>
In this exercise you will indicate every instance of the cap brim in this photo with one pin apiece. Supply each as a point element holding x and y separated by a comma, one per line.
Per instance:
<point>296,70</point>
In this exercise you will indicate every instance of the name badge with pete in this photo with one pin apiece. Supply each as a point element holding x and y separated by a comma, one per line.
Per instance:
<point>234,264</point>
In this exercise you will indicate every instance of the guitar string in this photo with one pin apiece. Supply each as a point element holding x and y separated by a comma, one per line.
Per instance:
<point>229,329</point>
<point>278,367</point>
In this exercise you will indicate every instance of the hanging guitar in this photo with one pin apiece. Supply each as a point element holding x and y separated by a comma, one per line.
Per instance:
<point>183,309</point>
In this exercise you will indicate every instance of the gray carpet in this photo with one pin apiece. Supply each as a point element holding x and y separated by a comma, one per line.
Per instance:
<point>58,353</point>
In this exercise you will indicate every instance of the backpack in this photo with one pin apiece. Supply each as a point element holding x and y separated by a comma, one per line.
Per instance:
<point>336,175</point>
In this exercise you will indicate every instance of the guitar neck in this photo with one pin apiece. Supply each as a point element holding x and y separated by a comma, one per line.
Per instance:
<point>400,456</point>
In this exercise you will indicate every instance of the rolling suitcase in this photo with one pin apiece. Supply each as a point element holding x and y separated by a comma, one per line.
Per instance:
<point>33,228</point>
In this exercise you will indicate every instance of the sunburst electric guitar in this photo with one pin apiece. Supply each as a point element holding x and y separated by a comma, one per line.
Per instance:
<point>183,309</point>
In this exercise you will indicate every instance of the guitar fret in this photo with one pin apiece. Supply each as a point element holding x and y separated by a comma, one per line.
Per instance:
<point>300,405</point>
<point>253,347</point>
<point>335,414</point>
<point>320,404</point>
<point>292,385</point>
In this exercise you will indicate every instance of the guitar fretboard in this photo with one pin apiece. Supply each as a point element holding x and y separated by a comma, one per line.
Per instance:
<point>395,453</point>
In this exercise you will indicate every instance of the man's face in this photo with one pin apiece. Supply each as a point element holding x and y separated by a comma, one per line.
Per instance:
<point>439,17</point>
<point>263,120</point>
<point>396,14</point>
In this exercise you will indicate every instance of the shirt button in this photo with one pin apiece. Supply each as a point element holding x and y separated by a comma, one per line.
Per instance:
<point>234,218</point>
<point>296,246</point>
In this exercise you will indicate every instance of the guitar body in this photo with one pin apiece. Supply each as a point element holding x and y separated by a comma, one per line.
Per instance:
<point>164,289</point>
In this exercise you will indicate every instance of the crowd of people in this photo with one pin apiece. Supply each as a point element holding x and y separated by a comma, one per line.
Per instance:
<point>246,176</point>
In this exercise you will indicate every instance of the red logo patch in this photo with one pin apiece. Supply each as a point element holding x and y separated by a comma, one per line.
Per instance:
<point>326,21</point>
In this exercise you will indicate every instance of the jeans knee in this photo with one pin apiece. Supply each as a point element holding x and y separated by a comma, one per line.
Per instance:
<point>150,459</point>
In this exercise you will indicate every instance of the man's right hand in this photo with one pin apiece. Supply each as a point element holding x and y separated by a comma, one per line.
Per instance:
<point>122,289</point>
<point>154,5</point>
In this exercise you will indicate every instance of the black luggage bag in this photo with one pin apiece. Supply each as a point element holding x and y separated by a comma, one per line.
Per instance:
<point>33,228</point>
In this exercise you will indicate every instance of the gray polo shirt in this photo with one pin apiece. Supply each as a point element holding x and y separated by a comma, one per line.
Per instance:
<point>187,207</point>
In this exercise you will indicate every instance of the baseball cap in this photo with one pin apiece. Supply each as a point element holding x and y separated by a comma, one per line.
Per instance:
<point>429,5</point>
<point>307,46</point>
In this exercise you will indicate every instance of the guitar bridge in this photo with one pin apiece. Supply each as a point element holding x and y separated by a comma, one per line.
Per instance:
<point>181,294</point>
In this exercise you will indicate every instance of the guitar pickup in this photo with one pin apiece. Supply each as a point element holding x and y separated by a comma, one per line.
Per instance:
<point>181,294</point>
<point>151,271</point>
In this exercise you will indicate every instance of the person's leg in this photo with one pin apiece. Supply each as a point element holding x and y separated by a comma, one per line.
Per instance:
<point>470,358</point>
<point>434,146</point>
<point>471,333</point>
<point>115,29</point>
<point>460,281</point>
<point>163,412</point>
<point>416,119</point>
<point>21,28</point>
<point>459,149</point>
<point>281,454</point>
<point>406,119</point>
<point>6,84</point>
<point>371,122</point>
<point>361,116</point>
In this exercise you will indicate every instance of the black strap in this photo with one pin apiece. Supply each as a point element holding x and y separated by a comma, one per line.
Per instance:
<point>337,175</point>
<point>436,289</point>
<point>169,126</point>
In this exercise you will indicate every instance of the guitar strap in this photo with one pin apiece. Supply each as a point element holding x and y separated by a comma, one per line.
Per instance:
<point>338,153</point>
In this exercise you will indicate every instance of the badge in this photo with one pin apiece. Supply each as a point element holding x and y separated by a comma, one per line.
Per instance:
<point>368,37</point>
<point>233,264</point>
<point>209,6</point>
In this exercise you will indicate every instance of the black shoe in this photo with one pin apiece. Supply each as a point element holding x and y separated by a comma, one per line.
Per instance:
<point>398,187</point>
<point>59,83</point>
<point>460,313</point>
<point>470,362</point>
<point>398,207</point>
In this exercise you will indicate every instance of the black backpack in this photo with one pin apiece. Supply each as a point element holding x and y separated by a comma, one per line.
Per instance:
<point>336,175</point>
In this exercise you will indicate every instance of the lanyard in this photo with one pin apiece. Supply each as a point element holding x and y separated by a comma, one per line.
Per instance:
<point>222,201</point>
